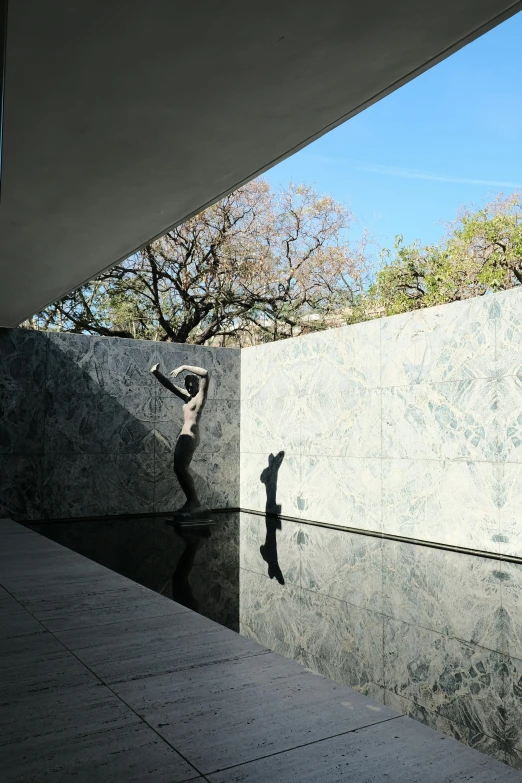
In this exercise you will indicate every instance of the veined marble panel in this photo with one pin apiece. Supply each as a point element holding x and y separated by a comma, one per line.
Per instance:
<point>21,422</point>
<point>20,486</point>
<point>342,490</point>
<point>271,370</point>
<point>509,418</point>
<point>450,420</point>
<point>270,425</point>
<point>509,332</point>
<point>450,593</point>
<point>510,577</point>
<point>128,366</point>
<point>344,675</point>
<point>22,360</point>
<point>336,360</point>
<point>129,484</point>
<point>348,637</point>
<point>76,485</point>
<point>289,536</point>
<point>77,362</point>
<point>98,423</point>
<point>449,342</point>
<point>342,565</point>
<point>223,364</point>
<point>342,424</point>
<point>253,492</point>
<point>122,365</point>
<point>513,710</point>
<point>450,502</point>
<point>513,756</point>
<point>85,362</point>
<point>219,425</point>
<point>168,495</point>
<point>509,501</point>
<point>462,682</point>
<point>216,476</point>
<point>269,612</point>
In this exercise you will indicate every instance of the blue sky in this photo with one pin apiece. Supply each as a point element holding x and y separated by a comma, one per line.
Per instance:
<point>448,138</point>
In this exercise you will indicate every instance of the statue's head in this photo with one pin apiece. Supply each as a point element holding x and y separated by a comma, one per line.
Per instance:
<point>192,384</point>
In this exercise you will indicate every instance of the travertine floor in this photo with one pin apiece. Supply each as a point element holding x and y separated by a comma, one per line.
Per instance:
<point>104,680</point>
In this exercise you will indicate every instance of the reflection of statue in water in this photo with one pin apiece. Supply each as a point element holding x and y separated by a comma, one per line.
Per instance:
<point>272,509</point>
<point>188,439</point>
<point>193,535</point>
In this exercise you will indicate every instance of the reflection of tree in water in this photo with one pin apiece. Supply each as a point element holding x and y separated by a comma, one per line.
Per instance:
<point>272,521</point>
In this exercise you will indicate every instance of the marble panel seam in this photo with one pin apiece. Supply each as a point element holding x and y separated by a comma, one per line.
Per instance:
<point>343,601</point>
<point>448,636</point>
<point>445,459</point>
<point>428,382</point>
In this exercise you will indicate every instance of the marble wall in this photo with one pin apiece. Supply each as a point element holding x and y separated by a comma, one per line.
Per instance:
<point>409,425</point>
<point>434,634</point>
<point>85,430</point>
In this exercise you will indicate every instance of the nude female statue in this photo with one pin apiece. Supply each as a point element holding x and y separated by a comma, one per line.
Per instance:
<point>194,399</point>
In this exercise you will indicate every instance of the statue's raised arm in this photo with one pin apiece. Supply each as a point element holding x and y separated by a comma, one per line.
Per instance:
<point>181,393</point>
<point>198,385</point>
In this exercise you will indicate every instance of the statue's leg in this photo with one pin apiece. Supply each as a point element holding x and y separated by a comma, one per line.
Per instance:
<point>183,453</point>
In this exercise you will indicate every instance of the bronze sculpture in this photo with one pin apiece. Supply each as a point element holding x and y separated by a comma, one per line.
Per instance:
<point>194,397</point>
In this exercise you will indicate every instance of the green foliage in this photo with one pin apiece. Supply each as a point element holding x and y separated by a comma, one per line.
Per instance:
<point>481,253</point>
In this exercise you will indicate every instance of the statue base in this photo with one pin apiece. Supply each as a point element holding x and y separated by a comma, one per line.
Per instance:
<point>196,521</point>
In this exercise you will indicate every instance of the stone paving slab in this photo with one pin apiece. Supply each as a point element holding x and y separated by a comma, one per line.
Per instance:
<point>398,751</point>
<point>237,711</point>
<point>121,652</point>
<point>103,680</point>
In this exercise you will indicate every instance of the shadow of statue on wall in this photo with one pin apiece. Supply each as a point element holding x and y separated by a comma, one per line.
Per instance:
<point>272,520</point>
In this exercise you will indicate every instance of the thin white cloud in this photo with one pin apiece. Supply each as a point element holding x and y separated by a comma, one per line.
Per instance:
<point>392,171</point>
<point>395,171</point>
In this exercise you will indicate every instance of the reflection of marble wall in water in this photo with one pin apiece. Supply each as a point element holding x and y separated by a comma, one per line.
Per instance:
<point>434,634</point>
<point>148,551</point>
<point>86,431</point>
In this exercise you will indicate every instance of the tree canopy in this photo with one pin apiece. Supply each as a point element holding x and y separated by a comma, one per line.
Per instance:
<point>260,264</point>
<point>481,253</point>
<point>264,264</point>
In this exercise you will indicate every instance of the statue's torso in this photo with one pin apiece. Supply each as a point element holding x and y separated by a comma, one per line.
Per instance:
<point>191,415</point>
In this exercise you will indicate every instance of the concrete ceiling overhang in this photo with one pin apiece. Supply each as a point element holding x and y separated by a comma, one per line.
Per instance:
<point>122,119</point>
